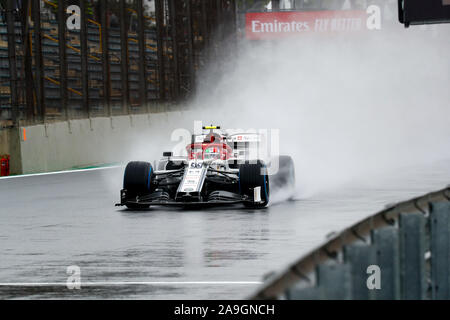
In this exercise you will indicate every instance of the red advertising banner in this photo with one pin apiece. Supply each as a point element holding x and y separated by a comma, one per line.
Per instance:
<point>275,25</point>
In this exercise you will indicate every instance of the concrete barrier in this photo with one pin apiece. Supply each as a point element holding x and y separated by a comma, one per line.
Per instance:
<point>4,141</point>
<point>86,142</point>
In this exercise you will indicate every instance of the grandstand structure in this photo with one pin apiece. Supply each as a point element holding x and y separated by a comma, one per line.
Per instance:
<point>126,56</point>
<point>138,56</point>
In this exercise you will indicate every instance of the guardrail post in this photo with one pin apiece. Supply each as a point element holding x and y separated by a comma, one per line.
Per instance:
<point>412,256</point>
<point>309,293</point>
<point>335,280</point>
<point>360,256</point>
<point>387,256</point>
<point>440,250</point>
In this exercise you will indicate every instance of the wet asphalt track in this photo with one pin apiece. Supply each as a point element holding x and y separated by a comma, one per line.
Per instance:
<point>50,222</point>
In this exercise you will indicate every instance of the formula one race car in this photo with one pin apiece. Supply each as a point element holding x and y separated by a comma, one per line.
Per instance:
<point>218,170</point>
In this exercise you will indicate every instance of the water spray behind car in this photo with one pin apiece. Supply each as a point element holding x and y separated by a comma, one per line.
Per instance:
<point>350,109</point>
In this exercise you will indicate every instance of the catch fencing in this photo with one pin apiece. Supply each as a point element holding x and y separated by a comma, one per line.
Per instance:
<point>402,252</point>
<point>125,57</point>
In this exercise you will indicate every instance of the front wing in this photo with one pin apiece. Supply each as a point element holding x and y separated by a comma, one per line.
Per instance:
<point>216,198</point>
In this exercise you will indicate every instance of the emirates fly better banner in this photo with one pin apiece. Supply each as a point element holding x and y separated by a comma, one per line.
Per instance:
<point>274,25</point>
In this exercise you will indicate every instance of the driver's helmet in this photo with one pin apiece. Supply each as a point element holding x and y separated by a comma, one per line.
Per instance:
<point>212,138</point>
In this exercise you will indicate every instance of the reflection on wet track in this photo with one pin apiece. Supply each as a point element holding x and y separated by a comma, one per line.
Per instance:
<point>50,222</point>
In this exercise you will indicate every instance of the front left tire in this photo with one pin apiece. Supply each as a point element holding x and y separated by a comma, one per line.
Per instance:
<point>137,181</point>
<point>252,175</point>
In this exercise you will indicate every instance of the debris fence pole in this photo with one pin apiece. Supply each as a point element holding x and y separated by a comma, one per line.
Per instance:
<point>27,61</point>
<point>173,34</point>
<point>159,8</point>
<point>62,58</point>
<point>38,67</point>
<point>190,49</point>
<point>142,56</point>
<point>84,59</point>
<point>12,61</point>
<point>105,58</point>
<point>124,58</point>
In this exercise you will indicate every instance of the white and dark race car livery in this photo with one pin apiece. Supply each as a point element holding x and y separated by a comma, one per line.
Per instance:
<point>219,169</point>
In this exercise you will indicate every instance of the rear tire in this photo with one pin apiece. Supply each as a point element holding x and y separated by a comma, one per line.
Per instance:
<point>137,181</point>
<point>284,179</point>
<point>252,176</point>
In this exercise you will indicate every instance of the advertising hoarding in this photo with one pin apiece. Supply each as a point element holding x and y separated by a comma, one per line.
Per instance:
<point>275,25</point>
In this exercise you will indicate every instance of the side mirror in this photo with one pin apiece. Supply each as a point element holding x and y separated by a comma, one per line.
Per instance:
<point>167,154</point>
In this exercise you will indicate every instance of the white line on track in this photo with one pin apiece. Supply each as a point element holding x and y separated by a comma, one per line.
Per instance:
<point>127,283</point>
<point>58,172</point>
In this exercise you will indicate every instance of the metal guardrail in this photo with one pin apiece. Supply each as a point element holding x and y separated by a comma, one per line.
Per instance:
<point>408,241</point>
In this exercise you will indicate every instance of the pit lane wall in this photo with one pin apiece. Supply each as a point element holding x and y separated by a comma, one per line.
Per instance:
<point>88,142</point>
<point>402,252</point>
